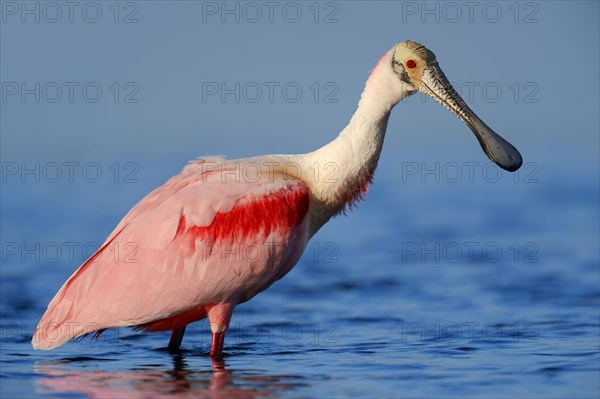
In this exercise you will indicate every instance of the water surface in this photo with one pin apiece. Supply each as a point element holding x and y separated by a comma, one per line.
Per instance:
<point>407,297</point>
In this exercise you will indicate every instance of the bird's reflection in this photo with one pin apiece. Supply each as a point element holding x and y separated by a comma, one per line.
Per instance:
<point>178,382</point>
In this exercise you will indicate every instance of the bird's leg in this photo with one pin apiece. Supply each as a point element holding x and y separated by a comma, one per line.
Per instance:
<point>216,349</point>
<point>176,338</point>
<point>219,316</point>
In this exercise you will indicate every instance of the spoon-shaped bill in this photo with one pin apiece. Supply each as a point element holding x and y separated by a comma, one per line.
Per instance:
<point>435,84</point>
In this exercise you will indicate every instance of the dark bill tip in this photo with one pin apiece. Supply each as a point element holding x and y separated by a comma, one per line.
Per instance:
<point>500,151</point>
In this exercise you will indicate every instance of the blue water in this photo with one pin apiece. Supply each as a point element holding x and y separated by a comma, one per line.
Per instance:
<point>429,289</point>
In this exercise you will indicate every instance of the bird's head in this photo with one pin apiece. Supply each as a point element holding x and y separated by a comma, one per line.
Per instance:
<point>418,70</point>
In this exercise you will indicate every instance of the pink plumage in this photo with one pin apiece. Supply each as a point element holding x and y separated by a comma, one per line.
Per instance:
<point>202,246</point>
<point>214,236</point>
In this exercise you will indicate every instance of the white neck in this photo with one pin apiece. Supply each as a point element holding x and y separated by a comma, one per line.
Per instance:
<point>346,165</point>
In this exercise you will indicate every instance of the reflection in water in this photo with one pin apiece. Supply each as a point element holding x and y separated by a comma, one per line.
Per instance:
<point>179,382</point>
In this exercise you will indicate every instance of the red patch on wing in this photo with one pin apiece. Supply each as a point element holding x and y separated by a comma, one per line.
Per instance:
<point>175,322</point>
<point>281,209</point>
<point>278,210</point>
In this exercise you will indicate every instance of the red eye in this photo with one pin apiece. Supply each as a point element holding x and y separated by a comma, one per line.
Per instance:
<point>411,64</point>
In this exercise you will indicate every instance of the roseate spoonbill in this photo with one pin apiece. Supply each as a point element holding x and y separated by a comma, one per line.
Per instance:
<point>221,231</point>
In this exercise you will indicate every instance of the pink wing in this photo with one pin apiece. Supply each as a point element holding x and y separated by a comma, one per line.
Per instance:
<point>204,237</point>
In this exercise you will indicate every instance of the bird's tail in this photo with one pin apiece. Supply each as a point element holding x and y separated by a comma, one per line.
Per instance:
<point>60,325</point>
<point>49,334</point>
<point>67,317</point>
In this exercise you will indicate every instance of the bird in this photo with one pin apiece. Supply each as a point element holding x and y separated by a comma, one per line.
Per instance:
<point>222,231</point>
